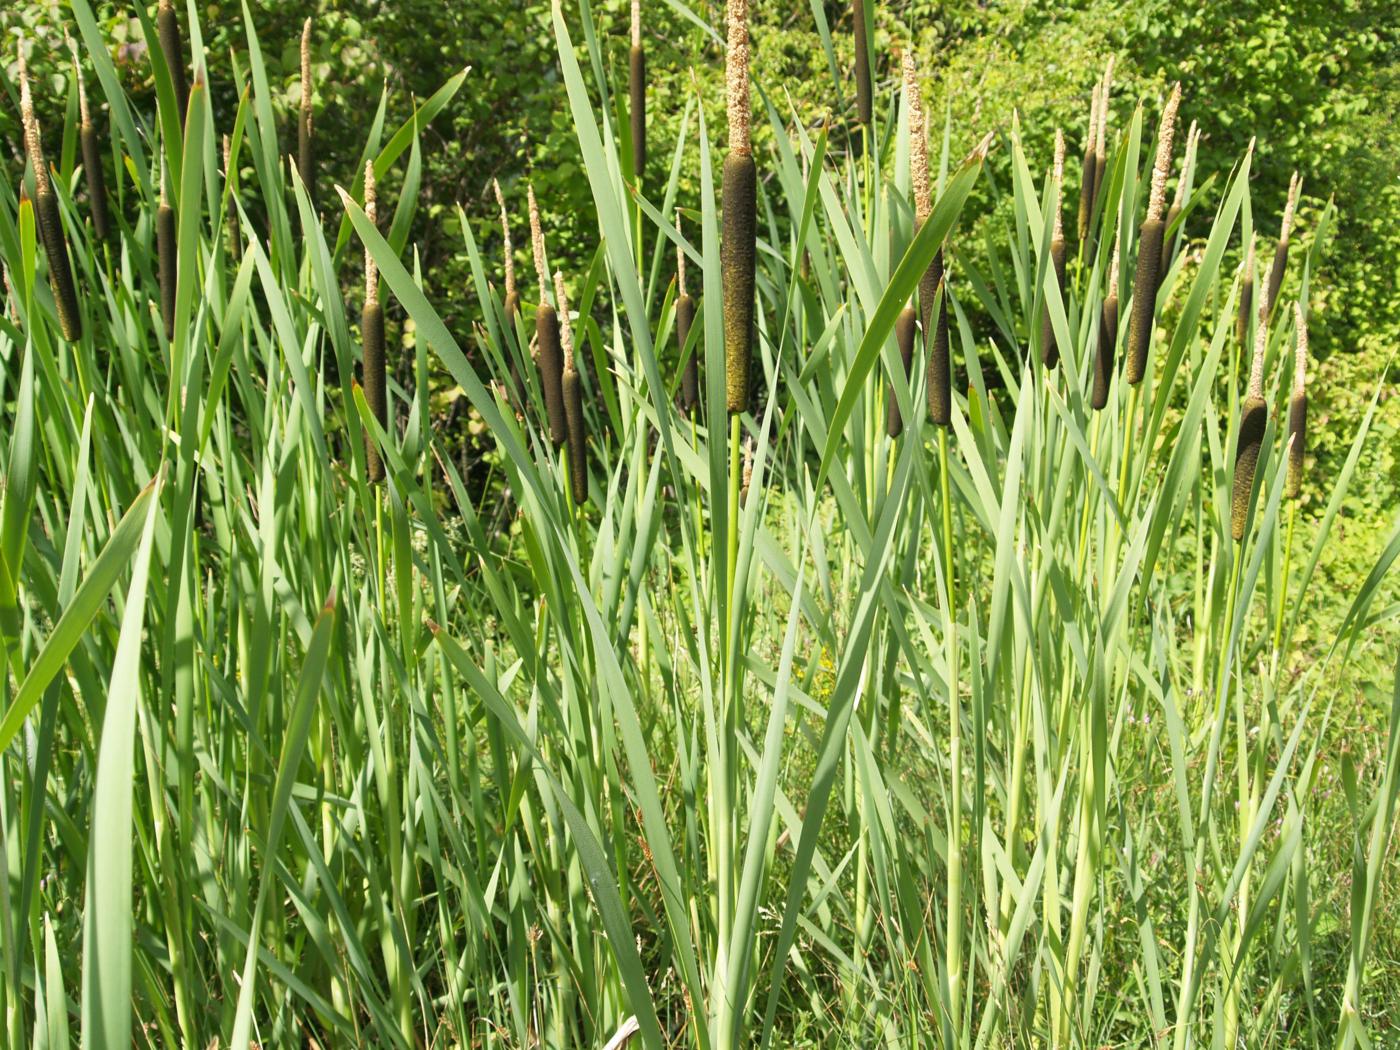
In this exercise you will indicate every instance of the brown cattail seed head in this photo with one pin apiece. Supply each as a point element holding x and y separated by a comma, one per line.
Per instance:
<point>685,318</point>
<point>1254,418</point>
<point>940,370</point>
<point>1108,334</point>
<point>1049,345</point>
<point>1100,147</point>
<point>375,382</point>
<point>905,329</point>
<point>93,174</point>
<point>738,250</point>
<point>864,96</point>
<point>166,262</point>
<point>305,158</point>
<point>1166,131</point>
<point>1298,408</point>
<point>637,84</point>
<point>1086,181</point>
<point>736,75</point>
<point>1280,264</point>
<point>168,30</point>
<point>571,390</point>
<point>918,142</point>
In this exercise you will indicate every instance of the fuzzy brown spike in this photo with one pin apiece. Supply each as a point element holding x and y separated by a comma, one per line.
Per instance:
<point>306,160</point>
<point>637,86</point>
<point>166,261</point>
<point>1298,408</point>
<point>550,357</point>
<point>685,318</point>
<point>572,394</point>
<point>1276,271</point>
<point>1149,261</point>
<point>1086,181</point>
<point>864,94</point>
<point>1246,306</point>
<point>939,378</point>
<point>1108,334</point>
<point>736,75</point>
<point>91,146</point>
<point>1254,418</point>
<point>1100,146</point>
<point>918,140</point>
<point>375,372</point>
<point>168,30</point>
<point>739,201</point>
<point>905,329</point>
<point>507,251</point>
<point>1049,345</point>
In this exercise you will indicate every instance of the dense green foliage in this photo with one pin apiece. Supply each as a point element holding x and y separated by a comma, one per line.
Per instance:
<point>759,728</point>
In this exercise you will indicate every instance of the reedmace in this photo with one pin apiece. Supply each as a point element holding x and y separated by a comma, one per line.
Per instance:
<point>572,390</point>
<point>1049,346</point>
<point>685,317</point>
<point>739,202</point>
<point>1276,271</point>
<point>1254,417</point>
<point>547,336</point>
<point>637,86</point>
<point>92,154</point>
<point>940,389</point>
<point>1298,408</point>
<point>372,331</point>
<point>1149,259</point>
<point>305,159</point>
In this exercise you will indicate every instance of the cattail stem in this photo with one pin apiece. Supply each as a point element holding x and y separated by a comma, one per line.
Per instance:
<point>1246,305</point>
<point>1149,261</point>
<point>372,332</point>
<point>739,193</point>
<point>551,361</point>
<point>168,30</point>
<point>305,156</point>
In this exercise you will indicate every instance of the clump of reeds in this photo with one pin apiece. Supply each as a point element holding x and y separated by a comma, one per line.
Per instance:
<point>1100,149</point>
<point>168,30</point>
<point>939,369</point>
<point>1188,161</point>
<point>637,86</point>
<point>166,260</point>
<point>1246,297</point>
<point>1298,408</point>
<point>1276,271</point>
<point>572,390</point>
<point>93,174</point>
<point>372,331</point>
<point>305,157</point>
<point>1049,345</point>
<point>1108,334</point>
<point>685,317</point>
<point>864,95</point>
<point>1086,181</point>
<point>547,336</point>
<point>1149,259</point>
<point>739,193</point>
<point>50,223</point>
<point>1254,417</point>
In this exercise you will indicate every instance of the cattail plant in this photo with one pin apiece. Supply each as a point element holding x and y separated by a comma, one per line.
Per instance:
<point>738,245</point>
<point>864,96</point>
<point>166,261</point>
<point>1188,163</point>
<point>50,223</point>
<point>92,153</point>
<point>940,376</point>
<point>905,329</point>
<point>1100,149</point>
<point>547,335</point>
<point>685,317</point>
<point>512,300</point>
<point>573,399</point>
<point>1108,334</point>
<point>1150,248</point>
<point>1049,346</point>
<point>637,86</point>
<point>1298,408</point>
<point>305,157</point>
<point>1086,181</point>
<point>168,30</point>
<point>1254,417</point>
<point>1276,271</point>
<point>1246,297</point>
<point>372,331</point>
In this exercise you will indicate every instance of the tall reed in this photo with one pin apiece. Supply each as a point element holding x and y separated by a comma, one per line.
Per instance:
<point>1149,258</point>
<point>1298,408</point>
<point>372,333</point>
<point>93,174</point>
<point>1254,418</point>
<point>637,89</point>
<point>305,157</point>
<point>685,318</point>
<point>1280,264</point>
<point>739,195</point>
<point>551,361</point>
<point>167,260</point>
<point>50,222</point>
<point>168,30</point>
<point>1108,334</point>
<point>1049,346</point>
<point>573,399</point>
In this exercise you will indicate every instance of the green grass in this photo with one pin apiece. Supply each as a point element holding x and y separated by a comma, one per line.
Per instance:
<point>988,736</point>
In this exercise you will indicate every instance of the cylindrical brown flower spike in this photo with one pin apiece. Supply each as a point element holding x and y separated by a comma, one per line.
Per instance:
<point>50,223</point>
<point>739,193</point>
<point>305,158</point>
<point>512,300</point>
<point>573,399</point>
<point>864,95</point>
<point>685,317</point>
<point>547,336</point>
<point>166,261</point>
<point>168,30</point>
<point>905,328</point>
<point>637,83</point>
<point>939,390</point>
<point>1049,345</point>
<point>1246,306</point>
<point>93,174</point>
<point>1295,185</point>
<point>1086,181</point>
<point>1170,236</point>
<point>372,330</point>
<point>1254,418</point>
<point>1100,149</point>
<point>1149,259</point>
<point>1298,409</point>
<point>1108,335</point>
